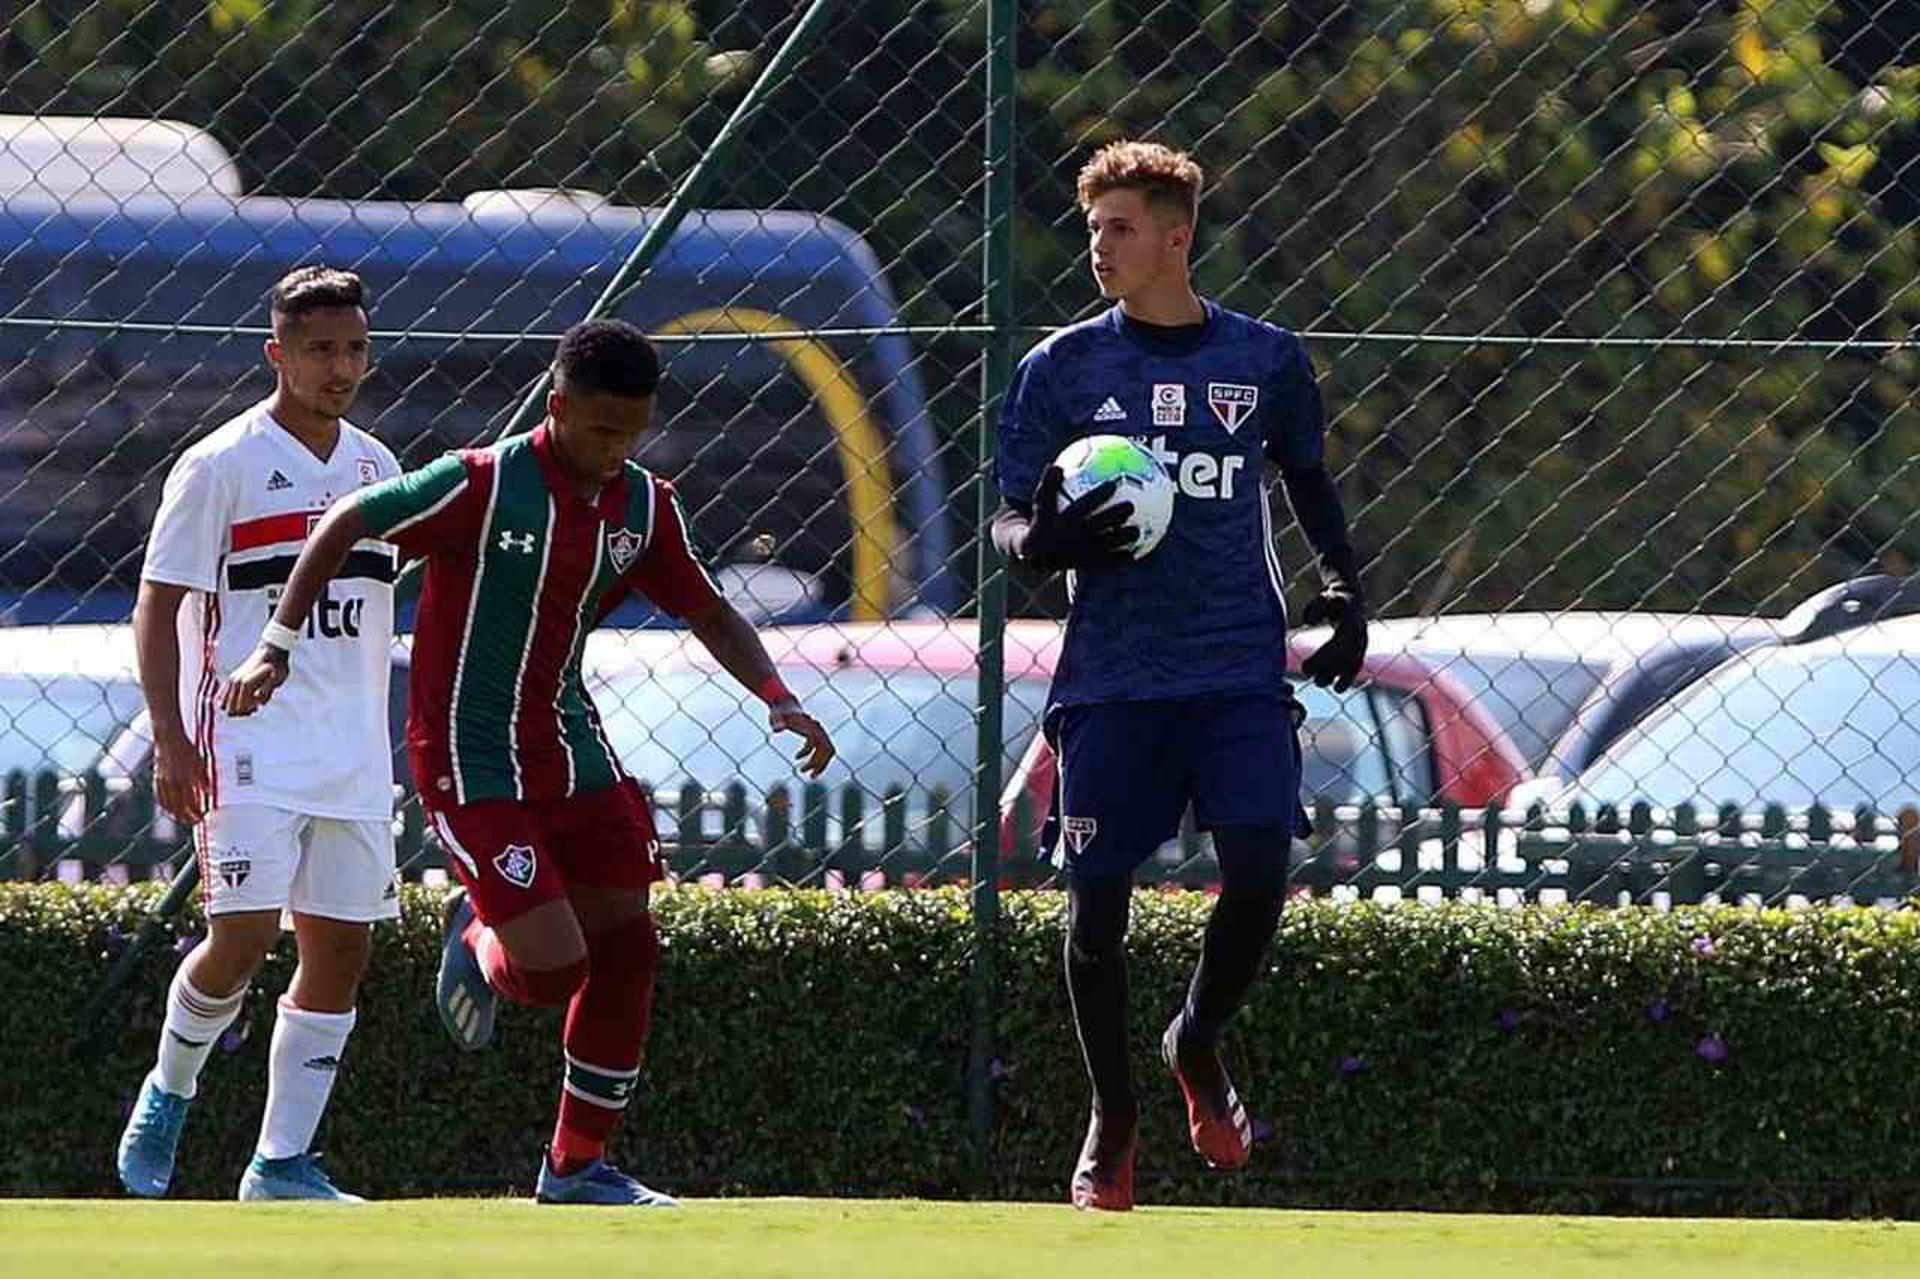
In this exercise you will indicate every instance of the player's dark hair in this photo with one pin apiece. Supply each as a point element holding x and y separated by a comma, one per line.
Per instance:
<point>606,357</point>
<point>311,288</point>
<point>1170,180</point>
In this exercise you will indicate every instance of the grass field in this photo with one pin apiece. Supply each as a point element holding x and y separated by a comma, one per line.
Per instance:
<point>851,1239</point>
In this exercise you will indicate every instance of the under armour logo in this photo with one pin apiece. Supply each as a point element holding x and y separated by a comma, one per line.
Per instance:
<point>521,542</point>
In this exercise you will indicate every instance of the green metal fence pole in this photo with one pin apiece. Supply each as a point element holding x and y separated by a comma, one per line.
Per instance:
<point>996,371</point>
<point>91,1022</point>
<point>692,189</point>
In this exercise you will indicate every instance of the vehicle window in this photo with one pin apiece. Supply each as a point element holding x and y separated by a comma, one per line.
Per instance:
<point>1343,757</point>
<point>62,722</point>
<point>1408,742</point>
<point>1841,731</point>
<point>1533,699</point>
<point>912,729</point>
<point>745,444</point>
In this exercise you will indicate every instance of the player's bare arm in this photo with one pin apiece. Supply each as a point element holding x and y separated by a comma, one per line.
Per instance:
<point>736,646</point>
<point>325,551</point>
<point>179,773</point>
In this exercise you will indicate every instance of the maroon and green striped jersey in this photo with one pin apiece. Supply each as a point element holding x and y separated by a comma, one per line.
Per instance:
<point>520,568</point>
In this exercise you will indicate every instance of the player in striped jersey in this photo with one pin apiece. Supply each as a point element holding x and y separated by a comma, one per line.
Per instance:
<point>529,544</point>
<point>293,810</point>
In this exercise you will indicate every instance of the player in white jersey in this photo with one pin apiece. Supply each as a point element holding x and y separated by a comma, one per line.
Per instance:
<point>292,806</point>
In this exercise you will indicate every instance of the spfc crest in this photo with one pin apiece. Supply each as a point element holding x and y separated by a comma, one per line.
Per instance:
<point>515,864</point>
<point>1232,403</point>
<point>369,472</point>
<point>1079,832</point>
<point>622,546</point>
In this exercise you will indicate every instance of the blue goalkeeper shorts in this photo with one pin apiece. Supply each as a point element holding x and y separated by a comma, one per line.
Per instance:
<point>1125,773</point>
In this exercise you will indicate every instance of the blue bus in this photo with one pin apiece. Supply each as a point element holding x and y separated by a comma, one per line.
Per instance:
<point>801,460</point>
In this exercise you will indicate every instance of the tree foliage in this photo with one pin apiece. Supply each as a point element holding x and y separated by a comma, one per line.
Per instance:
<point>1536,171</point>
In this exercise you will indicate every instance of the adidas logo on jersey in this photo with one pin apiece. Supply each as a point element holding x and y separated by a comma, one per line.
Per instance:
<point>278,481</point>
<point>1110,411</point>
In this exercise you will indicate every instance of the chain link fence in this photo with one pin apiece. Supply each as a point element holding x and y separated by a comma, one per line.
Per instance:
<point>1612,305</point>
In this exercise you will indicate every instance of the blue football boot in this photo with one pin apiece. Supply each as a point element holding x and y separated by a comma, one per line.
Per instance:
<point>467,1003</point>
<point>151,1137</point>
<point>295,1177</point>
<point>597,1183</point>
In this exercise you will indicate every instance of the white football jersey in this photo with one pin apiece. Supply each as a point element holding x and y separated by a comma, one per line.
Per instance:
<point>235,511</point>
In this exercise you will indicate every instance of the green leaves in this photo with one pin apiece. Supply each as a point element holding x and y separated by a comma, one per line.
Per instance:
<point>815,1043</point>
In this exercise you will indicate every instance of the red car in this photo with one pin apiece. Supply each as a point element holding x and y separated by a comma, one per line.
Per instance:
<point>898,698</point>
<point>1406,735</point>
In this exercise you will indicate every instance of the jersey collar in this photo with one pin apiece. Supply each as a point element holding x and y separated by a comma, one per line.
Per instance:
<point>610,505</point>
<point>1164,340</point>
<point>292,443</point>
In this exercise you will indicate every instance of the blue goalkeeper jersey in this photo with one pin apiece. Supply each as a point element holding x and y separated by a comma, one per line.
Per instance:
<point>1204,612</point>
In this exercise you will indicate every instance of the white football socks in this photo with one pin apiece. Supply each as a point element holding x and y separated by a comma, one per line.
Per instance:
<point>301,1067</point>
<point>194,1023</point>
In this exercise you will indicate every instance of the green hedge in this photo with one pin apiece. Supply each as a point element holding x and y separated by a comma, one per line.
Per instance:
<point>1437,1056</point>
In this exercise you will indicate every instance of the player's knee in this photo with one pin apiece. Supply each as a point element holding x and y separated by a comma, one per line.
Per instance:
<point>340,952</point>
<point>1097,919</point>
<point>551,987</point>
<point>1092,950</point>
<point>634,942</point>
<point>1253,863</point>
<point>631,952</point>
<point>235,948</point>
<point>218,975</point>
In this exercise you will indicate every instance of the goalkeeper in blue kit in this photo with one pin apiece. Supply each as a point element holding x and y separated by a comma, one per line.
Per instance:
<point>1171,686</point>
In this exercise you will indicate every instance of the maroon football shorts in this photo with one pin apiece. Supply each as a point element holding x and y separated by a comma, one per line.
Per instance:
<point>514,855</point>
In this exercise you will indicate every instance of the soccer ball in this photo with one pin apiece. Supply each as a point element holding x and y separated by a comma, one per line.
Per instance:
<point>1088,463</point>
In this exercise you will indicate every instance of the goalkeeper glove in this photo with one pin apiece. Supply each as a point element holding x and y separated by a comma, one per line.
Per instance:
<point>1083,534</point>
<point>1337,662</point>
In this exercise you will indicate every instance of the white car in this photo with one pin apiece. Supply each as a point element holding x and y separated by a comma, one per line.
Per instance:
<point>70,705</point>
<point>1835,722</point>
<point>1532,671</point>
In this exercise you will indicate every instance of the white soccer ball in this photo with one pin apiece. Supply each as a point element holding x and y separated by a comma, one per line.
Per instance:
<point>1088,463</point>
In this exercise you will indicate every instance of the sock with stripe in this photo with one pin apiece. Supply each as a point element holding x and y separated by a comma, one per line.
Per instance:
<point>194,1023</point>
<point>606,1029</point>
<point>301,1068</point>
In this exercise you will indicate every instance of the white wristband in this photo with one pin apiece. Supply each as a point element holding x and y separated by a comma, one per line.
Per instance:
<point>281,637</point>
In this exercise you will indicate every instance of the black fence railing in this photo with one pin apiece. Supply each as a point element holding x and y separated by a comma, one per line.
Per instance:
<point>90,827</point>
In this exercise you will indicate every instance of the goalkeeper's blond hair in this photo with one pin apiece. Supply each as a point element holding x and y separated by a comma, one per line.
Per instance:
<point>1169,179</point>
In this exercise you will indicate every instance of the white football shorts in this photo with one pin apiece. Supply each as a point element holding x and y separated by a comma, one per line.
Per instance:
<point>253,857</point>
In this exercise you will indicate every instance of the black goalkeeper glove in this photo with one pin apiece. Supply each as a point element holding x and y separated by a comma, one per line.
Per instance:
<point>1080,535</point>
<point>1337,662</point>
